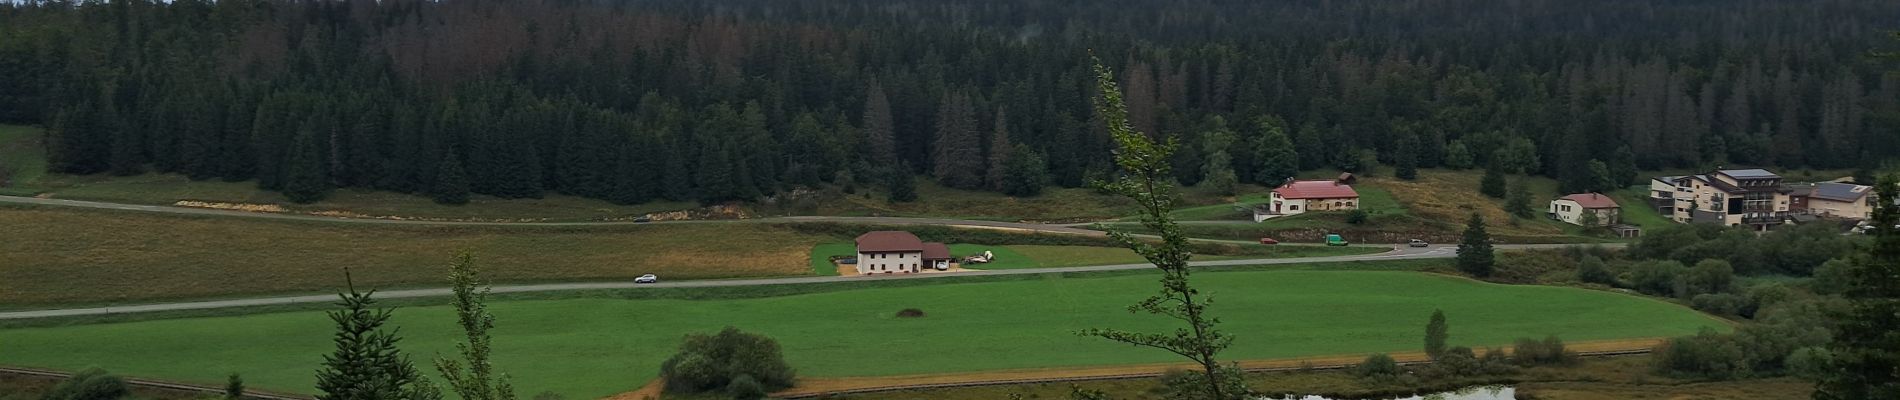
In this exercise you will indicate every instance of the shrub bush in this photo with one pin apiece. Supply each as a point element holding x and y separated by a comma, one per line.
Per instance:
<point>1592,269</point>
<point>1182,384</point>
<point>1549,351</point>
<point>1707,355</point>
<point>910,313</point>
<point>1496,363</point>
<point>1357,217</point>
<point>1709,276</point>
<point>1658,278</point>
<point>91,384</point>
<point>745,388</point>
<point>1810,362</point>
<point>1719,303</point>
<point>1377,366</point>
<point>712,362</point>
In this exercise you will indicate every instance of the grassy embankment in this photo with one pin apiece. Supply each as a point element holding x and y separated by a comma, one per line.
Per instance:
<point>586,348</point>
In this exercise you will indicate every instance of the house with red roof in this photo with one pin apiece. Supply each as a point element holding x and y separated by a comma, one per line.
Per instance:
<point>1573,208</point>
<point>1299,197</point>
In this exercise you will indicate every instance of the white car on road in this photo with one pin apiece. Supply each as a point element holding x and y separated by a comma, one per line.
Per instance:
<point>648,278</point>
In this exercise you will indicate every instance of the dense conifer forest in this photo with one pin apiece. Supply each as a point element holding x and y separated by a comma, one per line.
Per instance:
<point>717,100</point>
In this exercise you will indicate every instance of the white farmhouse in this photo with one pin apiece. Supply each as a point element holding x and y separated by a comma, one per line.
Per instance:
<point>1572,209</point>
<point>886,252</point>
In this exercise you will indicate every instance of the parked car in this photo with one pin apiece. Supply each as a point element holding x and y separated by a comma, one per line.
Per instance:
<point>642,219</point>
<point>1417,243</point>
<point>648,278</point>
<point>1268,240</point>
<point>1333,239</point>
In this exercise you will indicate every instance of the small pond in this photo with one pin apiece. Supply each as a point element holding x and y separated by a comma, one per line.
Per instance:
<point>1470,393</point>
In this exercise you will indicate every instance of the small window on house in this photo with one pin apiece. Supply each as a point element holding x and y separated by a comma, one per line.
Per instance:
<point>1293,207</point>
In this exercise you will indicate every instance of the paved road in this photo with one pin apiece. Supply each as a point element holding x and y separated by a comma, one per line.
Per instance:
<point>1407,253</point>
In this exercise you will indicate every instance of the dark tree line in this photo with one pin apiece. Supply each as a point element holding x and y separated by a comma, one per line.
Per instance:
<point>713,100</point>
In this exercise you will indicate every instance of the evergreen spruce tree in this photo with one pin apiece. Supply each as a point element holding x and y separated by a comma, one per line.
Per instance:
<point>367,364</point>
<point>1492,184</point>
<point>1405,158</point>
<point>1866,363</point>
<point>899,185</point>
<point>1278,162</point>
<point>715,179</point>
<point>126,154</point>
<point>1474,250</point>
<point>578,169</point>
<point>1518,203</point>
<point>1436,332</point>
<point>1457,156</point>
<point>678,176</point>
<point>1601,179</point>
<point>234,387</point>
<point>451,182</point>
<point>1310,146</point>
<point>957,152</point>
<point>305,180</point>
<point>1622,168</point>
<point>1024,174</point>
<point>1000,152</point>
<point>628,187</point>
<point>806,153</point>
<point>761,154</point>
<point>880,140</point>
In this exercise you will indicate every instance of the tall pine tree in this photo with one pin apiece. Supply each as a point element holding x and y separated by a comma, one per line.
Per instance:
<point>1474,250</point>
<point>305,179</point>
<point>957,152</point>
<point>451,181</point>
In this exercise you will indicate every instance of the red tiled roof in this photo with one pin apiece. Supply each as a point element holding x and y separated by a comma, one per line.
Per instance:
<point>936,251</point>
<point>1315,190</point>
<point>884,241</point>
<point>1592,200</point>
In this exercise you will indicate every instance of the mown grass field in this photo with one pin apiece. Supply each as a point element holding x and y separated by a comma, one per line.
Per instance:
<point>587,348</point>
<point>60,255</point>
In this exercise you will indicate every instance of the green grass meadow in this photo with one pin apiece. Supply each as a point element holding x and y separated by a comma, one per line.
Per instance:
<point>588,348</point>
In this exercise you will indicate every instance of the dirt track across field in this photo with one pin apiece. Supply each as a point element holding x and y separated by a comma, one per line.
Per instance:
<point>810,387</point>
<point>649,392</point>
